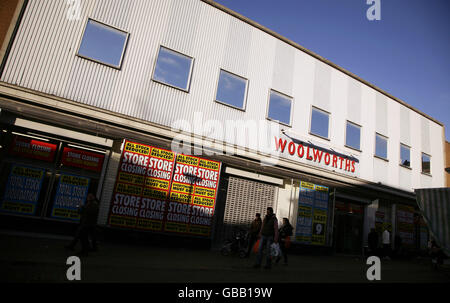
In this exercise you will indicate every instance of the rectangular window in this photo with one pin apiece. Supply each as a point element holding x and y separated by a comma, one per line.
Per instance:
<point>381,146</point>
<point>353,135</point>
<point>280,108</point>
<point>173,68</point>
<point>320,121</point>
<point>426,164</point>
<point>231,90</point>
<point>103,43</point>
<point>405,158</point>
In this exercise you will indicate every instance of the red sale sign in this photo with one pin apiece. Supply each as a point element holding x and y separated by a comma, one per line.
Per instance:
<point>82,159</point>
<point>31,148</point>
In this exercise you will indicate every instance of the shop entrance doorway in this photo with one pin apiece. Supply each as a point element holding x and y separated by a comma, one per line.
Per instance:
<point>348,228</point>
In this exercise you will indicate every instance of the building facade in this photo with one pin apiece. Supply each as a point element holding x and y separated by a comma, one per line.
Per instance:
<point>185,117</point>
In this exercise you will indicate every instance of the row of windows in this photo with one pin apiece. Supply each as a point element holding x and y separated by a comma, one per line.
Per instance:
<point>105,44</point>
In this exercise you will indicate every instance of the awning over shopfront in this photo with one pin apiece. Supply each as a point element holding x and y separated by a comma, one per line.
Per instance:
<point>434,204</point>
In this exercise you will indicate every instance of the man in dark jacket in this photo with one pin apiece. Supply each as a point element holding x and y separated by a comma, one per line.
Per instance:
<point>267,235</point>
<point>88,223</point>
<point>255,227</point>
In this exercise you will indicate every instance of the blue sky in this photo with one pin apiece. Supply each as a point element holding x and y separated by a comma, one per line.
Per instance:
<point>406,53</point>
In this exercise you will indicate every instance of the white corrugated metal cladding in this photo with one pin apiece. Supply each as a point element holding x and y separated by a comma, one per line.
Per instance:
<point>43,58</point>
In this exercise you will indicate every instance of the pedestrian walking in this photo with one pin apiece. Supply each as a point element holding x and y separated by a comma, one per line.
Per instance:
<point>267,235</point>
<point>253,232</point>
<point>284,233</point>
<point>386,244</point>
<point>87,227</point>
<point>373,242</point>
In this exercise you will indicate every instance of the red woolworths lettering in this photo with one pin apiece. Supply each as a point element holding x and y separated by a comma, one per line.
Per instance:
<point>317,155</point>
<point>279,143</point>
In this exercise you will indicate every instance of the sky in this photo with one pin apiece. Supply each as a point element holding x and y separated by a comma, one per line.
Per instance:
<point>406,53</point>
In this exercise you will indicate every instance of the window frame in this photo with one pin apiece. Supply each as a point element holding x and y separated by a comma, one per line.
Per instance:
<point>375,147</point>
<point>409,149</point>
<point>329,123</point>
<point>421,164</point>
<point>268,106</point>
<point>187,90</point>
<point>244,108</point>
<point>360,128</point>
<point>125,46</point>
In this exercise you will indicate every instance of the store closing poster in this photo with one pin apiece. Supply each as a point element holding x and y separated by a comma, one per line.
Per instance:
<point>312,214</point>
<point>71,194</point>
<point>22,190</point>
<point>159,190</point>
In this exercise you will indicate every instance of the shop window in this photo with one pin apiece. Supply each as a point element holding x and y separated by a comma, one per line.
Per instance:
<point>280,108</point>
<point>405,158</point>
<point>46,177</point>
<point>23,188</point>
<point>231,90</point>
<point>173,68</point>
<point>103,43</point>
<point>353,135</point>
<point>426,164</point>
<point>320,121</point>
<point>381,146</point>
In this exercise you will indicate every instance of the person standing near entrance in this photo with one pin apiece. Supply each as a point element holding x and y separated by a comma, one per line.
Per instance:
<point>386,243</point>
<point>88,223</point>
<point>267,235</point>
<point>255,227</point>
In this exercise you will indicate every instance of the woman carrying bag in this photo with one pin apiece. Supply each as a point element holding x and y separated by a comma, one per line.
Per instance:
<point>285,232</point>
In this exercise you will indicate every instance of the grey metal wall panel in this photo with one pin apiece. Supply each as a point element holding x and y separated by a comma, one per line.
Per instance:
<point>405,178</point>
<point>283,68</point>
<point>405,126</point>
<point>354,93</point>
<point>425,135</point>
<point>322,86</point>
<point>381,115</point>
<point>237,48</point>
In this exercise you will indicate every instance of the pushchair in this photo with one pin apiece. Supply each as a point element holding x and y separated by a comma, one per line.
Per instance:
<point>237,244</point>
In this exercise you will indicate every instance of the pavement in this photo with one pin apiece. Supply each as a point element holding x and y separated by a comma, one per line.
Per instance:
<point>28,257</point>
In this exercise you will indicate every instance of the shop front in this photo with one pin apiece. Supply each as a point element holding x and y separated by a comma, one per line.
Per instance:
<point>348,227</point>
<point>46,172</point>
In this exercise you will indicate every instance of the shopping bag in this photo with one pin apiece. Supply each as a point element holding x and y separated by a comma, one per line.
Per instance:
<point>275,250</point>
<point>287,242</point>
<point>256,247</point>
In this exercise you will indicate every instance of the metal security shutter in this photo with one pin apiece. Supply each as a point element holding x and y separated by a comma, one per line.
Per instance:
<point>244,199</point>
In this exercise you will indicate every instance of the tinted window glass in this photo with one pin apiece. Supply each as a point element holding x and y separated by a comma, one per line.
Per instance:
<point>426,164</point>
<point>353,135</point>
<point>103,43</point>
<point>173,68</point>
<point>231,89</point>
<point>405,155</point>
<point>381,146</point>
<point>280,108</point>
<point>319,122</point>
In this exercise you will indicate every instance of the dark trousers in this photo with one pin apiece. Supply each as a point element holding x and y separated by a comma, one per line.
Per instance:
<point>283,250</point>
<point>265,241</point>
<point>87,232</point>
<point>386,250</point>
<point>251,241</point>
